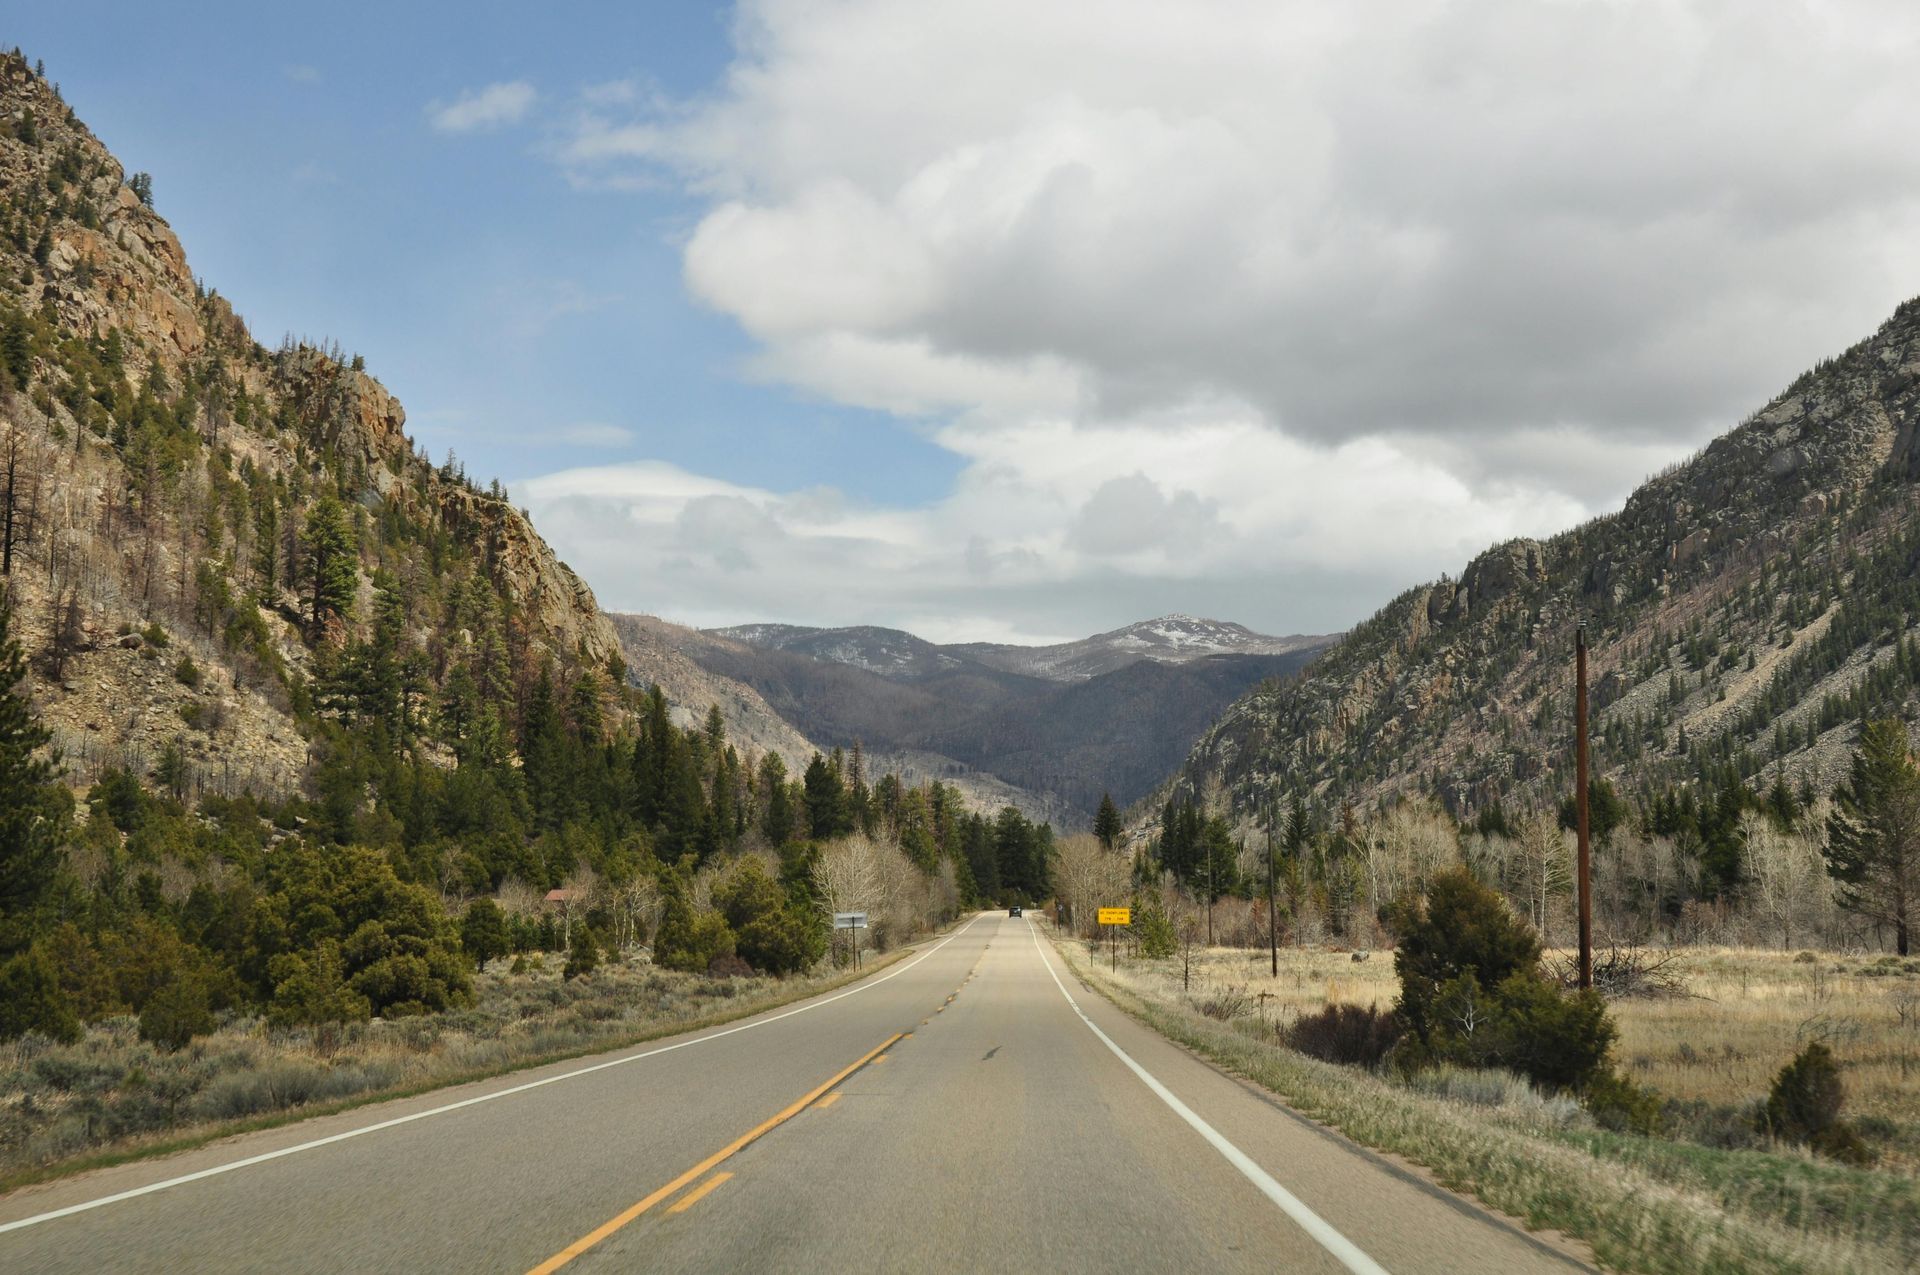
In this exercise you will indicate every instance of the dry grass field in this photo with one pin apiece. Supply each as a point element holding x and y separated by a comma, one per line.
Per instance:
<point>1740,1014</point>
<point>1712,1194</point>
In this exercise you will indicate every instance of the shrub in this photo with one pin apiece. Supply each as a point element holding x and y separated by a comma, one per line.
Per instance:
<point>1354,1035</point>
<point>177,1013</point>
<point>1227,1004</point>
<point>30,999</point>
<point>1804,1106</point>
<point>727,965</point>
<point>583,955</point>
<point>772,932</point>
<point>689,940</point>
<point>1616,1103</point>
<point>784,941</point>
<point>1472,992</point>
<point>186,672</point>
<point>1461,928</point>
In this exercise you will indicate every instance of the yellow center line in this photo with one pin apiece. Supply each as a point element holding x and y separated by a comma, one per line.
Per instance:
<point>698,1193</point>
<point>619,1220</point>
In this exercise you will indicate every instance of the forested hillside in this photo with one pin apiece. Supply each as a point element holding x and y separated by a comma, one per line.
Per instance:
<point>1745,609</point>
<point>1748,612</point>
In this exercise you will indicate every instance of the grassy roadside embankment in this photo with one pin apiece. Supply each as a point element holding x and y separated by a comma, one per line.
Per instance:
<point>1643,1204</point>
<point>112,1097</point>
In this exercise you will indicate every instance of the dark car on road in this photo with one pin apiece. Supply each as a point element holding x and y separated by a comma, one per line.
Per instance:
<point>1014,910</point>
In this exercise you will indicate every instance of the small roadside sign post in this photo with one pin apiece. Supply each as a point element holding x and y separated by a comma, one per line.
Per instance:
<point>1113,919</point>
<point>856,922</point>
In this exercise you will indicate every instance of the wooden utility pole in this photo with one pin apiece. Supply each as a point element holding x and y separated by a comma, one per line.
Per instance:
<point>1273,928</point>
<point>6,553</point>
<point>1585,868</point>
<point>1209,842</point>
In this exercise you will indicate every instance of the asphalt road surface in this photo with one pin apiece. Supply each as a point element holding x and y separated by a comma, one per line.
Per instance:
<point>970,1107</point>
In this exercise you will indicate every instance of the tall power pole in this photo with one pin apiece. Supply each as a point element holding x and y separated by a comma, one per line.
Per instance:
<point>1585,870</point>
<point>1273,928</point>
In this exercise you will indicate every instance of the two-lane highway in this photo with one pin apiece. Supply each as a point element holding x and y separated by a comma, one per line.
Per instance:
<point>971,1107</point>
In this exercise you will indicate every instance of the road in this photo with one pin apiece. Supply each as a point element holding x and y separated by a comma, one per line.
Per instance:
<point>971,1107</point>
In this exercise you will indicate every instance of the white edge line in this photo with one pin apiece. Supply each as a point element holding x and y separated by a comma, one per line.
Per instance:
<point>265,1156</point>
<point>1344,1250</point>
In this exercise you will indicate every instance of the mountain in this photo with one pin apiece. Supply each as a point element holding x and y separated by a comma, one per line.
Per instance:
<point>1171,639</point>
<point>212,546</point>
<point>888,652</point>
<point>1059,724</point>
<point>1745,610</point>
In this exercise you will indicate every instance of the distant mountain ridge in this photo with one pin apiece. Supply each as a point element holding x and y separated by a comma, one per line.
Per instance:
<point>894,653</point>
<point>1062,724</point>
<point>1170,639</point>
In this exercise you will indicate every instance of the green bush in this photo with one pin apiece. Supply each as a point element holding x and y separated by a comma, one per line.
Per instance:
<point>1461,928</point>
<point>1472,992</point>
<point>1618,1104</point>
<point>1804,1106</point>
<point>583,954</point>
<point>689,940</point>
<point>177,1013</point>
<point>30,999</point>
<point>772,932</point>
<point>186,672</point>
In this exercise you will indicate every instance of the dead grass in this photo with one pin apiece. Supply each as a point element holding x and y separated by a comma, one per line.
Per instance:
<point>1644,1204</point>
<point>1744,1013</point>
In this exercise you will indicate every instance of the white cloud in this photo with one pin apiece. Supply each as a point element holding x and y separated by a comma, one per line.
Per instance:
<point>1053,528</point>
<point>495,105</point>
<point>1282,303</point>
<point>1416,218</point>
<point>303,74</point>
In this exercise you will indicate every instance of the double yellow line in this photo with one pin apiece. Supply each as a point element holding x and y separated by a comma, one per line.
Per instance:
<point>760,1130</point>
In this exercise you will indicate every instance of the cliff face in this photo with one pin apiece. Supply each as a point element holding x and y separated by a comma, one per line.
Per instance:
<point>1743,609</point>
<point>164,468</point>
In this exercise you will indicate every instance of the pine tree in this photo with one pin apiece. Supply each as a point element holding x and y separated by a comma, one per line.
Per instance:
<point>30,821</point>
<point>332,561</point>
<point>1873,836</point>
<point>1106,824</point>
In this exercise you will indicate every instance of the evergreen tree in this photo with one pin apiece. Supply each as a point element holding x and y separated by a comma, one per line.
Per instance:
<point>332,561</point>
<point>31,816</point>
<point>827,815</point>
<point>1106,824</point>
<point>776,822</point>
<point>1873,836</point>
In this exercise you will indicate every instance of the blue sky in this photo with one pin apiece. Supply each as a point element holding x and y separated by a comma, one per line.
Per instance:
<point>293,154</point>
<point>1018,320</point>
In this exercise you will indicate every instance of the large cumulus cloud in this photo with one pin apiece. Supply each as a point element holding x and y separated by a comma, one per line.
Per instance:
<point>1498,258</point>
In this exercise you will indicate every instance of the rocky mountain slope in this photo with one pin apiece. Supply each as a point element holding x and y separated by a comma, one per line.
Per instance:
<point>1061,724</point>
<point>1744,610</point>
<point>176,493</point>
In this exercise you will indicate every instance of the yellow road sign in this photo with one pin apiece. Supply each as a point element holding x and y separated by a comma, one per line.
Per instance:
<point>1116,916</point>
